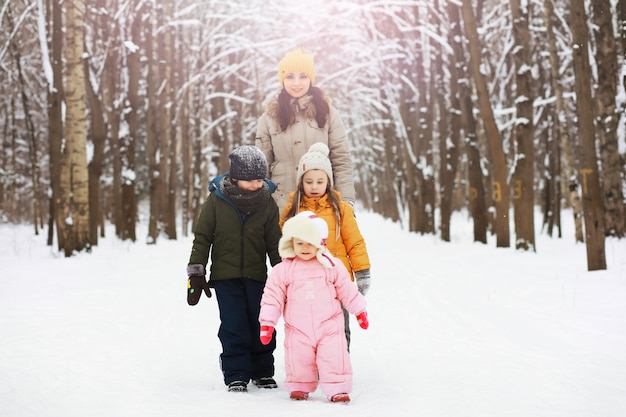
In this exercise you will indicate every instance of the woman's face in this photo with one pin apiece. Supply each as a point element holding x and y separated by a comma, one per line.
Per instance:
<point>296,84</point>
<point>314,183</point>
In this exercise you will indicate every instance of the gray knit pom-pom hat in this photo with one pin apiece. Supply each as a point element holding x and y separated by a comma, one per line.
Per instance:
<point>247,163</point>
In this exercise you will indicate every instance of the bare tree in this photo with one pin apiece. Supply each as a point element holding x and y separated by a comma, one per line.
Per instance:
<point>593,204</point>
<point>476,191</point>
<point>30,127</point>
<point>501,196</point>
<point>523,189</point>
<point>152,147</point>
<point>449,125</point>
<point>55,93</point>
<point>607,118</point>
<point>128,201</point>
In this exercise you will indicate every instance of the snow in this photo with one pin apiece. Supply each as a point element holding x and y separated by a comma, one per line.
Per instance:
<point>457,329</point>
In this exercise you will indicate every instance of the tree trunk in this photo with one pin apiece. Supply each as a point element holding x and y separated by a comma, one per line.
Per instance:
<point>55,121</point>
<point>164,132</point>
<point>561,124</point>
<point>476,191</point>
<point>607,118</point>
<point>74,178</point>
<point>152,139</point>
<point>127,154</point>
<point>593,206</point>
<point>621,23</point>
<point>199,177</point>
<point>450,129</point>
<point>523,195</point>
<point>427,106</point>
<point>5,151</point>
<point>172,144</point>
<point>30,127</point>
<point>500,185</point>
<point>185,141</point>
<point>98,138</point>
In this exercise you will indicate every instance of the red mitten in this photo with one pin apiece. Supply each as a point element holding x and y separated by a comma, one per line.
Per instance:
<point>362,318</point>
<point>266,334</point>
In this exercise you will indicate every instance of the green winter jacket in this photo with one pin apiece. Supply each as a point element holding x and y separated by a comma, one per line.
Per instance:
<point>238,246</point>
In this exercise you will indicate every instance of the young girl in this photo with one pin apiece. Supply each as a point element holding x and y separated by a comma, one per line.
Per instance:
<point>299,116</point>
<point>309,287</point>
<point>238,225</point>
<point>315,193</point>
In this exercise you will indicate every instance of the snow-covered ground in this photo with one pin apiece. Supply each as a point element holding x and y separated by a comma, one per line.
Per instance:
<point>457,329</point>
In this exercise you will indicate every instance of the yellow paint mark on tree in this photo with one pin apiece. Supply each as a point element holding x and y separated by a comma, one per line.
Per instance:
<point>584,172</point>
<point>497,192</point>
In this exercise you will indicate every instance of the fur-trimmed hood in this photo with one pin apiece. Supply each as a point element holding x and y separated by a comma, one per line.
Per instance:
<point>302,104</point>
<point>284,148</point>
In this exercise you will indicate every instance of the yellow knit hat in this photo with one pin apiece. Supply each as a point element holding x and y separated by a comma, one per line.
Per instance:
<point>296,61</point>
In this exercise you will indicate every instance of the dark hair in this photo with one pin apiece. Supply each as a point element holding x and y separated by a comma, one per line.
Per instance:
<point>286,115</point>
<point>333,198</point>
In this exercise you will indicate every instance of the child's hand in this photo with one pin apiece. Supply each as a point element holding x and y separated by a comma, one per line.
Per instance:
<point>363,279</point>
<point>362,319</point>
<point>195,285</point>
<point>266,334</point>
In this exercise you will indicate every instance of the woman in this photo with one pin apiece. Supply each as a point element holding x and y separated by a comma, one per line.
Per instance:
<point>298,117</point>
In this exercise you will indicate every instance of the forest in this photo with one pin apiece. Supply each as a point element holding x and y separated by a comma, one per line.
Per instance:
<point>119,111</point>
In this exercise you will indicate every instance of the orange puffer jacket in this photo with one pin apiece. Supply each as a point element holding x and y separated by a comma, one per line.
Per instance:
<point>346,244</point>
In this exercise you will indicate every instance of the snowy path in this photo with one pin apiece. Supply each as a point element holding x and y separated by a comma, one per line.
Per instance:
<point>457,330</point>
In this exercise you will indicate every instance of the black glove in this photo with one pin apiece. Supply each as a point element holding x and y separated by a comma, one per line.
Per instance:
<point>195,285</point>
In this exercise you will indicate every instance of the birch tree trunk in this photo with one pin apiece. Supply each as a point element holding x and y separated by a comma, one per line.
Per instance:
<point>593,205</point>
<point>74,216</point>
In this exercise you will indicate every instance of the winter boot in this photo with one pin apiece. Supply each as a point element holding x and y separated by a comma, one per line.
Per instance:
<point>238,386</point>
<point>340,398</point>
<point>299,395</point>
<point>265,382</point>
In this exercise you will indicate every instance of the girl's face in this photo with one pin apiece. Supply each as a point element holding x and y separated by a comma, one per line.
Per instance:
<point>315,183</point>
<point>304,250</point>
<point>252,185</point>
<point>297,85</point>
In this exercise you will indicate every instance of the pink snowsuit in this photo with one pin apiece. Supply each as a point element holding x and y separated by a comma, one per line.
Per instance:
<point>315,344</point>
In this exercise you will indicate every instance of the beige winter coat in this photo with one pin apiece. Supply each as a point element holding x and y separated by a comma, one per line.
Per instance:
<point>283,150</point>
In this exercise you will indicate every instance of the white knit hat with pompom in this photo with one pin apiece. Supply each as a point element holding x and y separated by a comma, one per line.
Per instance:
<point>315,158</point>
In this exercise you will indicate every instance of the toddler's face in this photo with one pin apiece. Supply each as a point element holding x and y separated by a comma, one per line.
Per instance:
<point>304,250</point>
